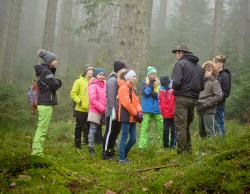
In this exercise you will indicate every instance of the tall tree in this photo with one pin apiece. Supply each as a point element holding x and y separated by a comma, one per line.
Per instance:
<point>64,35</point>
<point>162,16</point>
<point>49,29</point>
<point>134,32</point>
<point>218,16</point>
<point>10,48</point>
<point>242,38</point>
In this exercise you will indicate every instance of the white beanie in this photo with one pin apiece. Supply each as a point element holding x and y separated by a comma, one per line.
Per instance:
<point>129,74</point>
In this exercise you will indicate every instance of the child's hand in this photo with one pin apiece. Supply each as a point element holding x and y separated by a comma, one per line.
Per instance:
<point>139,117</point>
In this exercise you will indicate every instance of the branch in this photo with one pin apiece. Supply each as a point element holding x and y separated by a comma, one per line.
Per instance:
<point>157,167</point>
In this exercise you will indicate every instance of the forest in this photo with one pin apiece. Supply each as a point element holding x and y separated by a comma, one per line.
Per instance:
<point>139,33</point>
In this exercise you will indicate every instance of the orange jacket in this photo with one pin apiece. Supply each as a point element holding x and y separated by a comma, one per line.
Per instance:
<point>129,104</point>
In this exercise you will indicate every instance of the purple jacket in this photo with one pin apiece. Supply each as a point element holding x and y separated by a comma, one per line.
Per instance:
<point>97,96</point>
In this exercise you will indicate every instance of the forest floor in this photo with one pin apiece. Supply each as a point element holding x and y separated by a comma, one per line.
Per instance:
<point>215,165</point>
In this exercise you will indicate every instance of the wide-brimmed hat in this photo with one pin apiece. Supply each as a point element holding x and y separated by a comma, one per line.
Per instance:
<point>181,47</point>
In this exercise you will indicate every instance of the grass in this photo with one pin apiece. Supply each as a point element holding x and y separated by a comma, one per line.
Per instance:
<point>215,166</point>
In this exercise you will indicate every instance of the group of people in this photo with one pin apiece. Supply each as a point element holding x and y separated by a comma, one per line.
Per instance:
<point>114,102</point>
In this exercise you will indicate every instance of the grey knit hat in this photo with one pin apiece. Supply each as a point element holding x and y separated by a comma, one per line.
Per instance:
<point>46,56</point>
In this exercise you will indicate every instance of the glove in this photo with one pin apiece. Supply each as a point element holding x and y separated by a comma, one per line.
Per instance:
<point>151,84</point>
<point>154,94</point>
<point>139,117</point>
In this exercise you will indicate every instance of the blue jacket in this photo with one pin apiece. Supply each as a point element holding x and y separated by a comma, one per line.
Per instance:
<point>149,102</point>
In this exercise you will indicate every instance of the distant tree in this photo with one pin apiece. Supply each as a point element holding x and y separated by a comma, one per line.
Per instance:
<point>50,25</point>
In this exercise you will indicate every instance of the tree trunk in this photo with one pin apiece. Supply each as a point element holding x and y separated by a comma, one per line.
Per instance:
<point>162,16</point>
<point>242,38</point>
<point>218,15</point>
<point>64,36</point>
<point>49,29</point>
<point>135,22</point>
<point>10,49</point>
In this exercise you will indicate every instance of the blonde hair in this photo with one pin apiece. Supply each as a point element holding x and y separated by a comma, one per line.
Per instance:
<point>213,66</point>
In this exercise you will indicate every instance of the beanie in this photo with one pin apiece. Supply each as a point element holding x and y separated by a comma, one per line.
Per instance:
<point>164,80</point>
<point>118,65</point>
<point>150,70</point>
<point>98,70</point>
<point>130,74</point>
<point>46,56</point>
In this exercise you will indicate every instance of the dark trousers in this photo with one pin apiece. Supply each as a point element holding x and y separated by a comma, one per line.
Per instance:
<point>112,131</point>
<point>184,116</point>
<point>81,126</point>
<point>168,123</point>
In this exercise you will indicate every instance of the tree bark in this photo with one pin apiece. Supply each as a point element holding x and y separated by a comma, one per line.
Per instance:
<point>218,15</point>
<point>49,29</point>
<point>162,16</point>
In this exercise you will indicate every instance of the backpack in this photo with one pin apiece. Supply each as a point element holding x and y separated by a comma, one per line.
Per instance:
<point>33,93</point>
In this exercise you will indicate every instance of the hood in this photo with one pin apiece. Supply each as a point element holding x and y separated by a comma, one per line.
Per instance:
<point>98,82</point>
<point>190,57</point>
<point>83,77</point>
<point>113,74</point>
<point>40,68</point>
<point>226,71</point>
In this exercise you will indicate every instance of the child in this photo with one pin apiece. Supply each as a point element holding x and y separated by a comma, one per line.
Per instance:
<point>97,98</point>
<point>208,100</point>
<point>79,94</point>
<point>167,105</point>
<point>129,112</point>
<point>150,106</point>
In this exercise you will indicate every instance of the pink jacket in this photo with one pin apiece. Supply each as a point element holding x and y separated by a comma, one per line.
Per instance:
<point>97,96</point>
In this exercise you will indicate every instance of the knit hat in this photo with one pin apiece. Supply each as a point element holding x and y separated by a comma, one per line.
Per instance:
<point>46,56</point>
<point>87,67</point>
<point>98,70</point>
<point>164,80</point>
<point>150,70</point>
<point>118,65</point>
<point>129,74</point>
<point>219,58</point>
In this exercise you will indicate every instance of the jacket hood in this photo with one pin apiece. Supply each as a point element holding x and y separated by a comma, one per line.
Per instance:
<point>190,57</point>
<point>40,68</point>
<point>98,82</point>
<point>226,71</point>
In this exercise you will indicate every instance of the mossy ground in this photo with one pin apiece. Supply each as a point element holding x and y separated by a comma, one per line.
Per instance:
<point>215,165</point>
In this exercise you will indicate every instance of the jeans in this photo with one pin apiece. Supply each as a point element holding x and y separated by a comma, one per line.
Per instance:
<point>127,128</point>
<point>219,121</point>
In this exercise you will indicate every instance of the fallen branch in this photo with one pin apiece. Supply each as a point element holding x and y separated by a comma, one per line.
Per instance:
<point>156,168</point>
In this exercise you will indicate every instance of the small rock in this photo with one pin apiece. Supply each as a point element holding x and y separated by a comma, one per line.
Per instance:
<point>110,192</point>
<point>145,189</point>
<point>13,184</point>
<point>24,177</point>
<point>168,184</point>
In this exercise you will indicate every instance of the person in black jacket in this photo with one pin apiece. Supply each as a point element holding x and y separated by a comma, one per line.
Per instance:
<point>47,86</point>
<point>188,81</point>
<point>225,80</point>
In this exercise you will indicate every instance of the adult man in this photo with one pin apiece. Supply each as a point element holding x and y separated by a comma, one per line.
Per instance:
<point>225,80</point>
<point>79,94</point>
<point>188,81</point>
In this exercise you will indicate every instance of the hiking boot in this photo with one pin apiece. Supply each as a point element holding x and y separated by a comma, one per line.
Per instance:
<point>91,151</point>
<point>125,161</point>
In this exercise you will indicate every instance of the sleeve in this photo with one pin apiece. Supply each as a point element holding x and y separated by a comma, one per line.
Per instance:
<point>93,97</point>
<point>124,99</point>
<point>160,99</point>
<point>146,90</point>
<point>177,76</point>
<point>49,78</point>
<point>226,86</point>
<point>74,92</point>
<point>111,92</point>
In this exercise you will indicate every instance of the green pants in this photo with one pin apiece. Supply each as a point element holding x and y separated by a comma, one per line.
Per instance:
<point>206,124</point>
<point>144,135</point>
<point>183,116</point>
<point>44,116</point>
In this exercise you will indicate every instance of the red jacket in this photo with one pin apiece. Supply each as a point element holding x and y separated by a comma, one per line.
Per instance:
<point>166,103</point>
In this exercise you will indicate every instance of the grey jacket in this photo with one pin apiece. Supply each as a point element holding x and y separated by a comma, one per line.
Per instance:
<point>210,96</point>
<point>111,94</point>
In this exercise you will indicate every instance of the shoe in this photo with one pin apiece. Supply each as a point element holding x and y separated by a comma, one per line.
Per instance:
<point>91,151</point>
<point>125,161</point>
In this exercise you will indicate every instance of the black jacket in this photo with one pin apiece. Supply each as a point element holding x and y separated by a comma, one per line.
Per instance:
<point>47,84</point>
<point>188,77</point>
<point>225,80</point>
